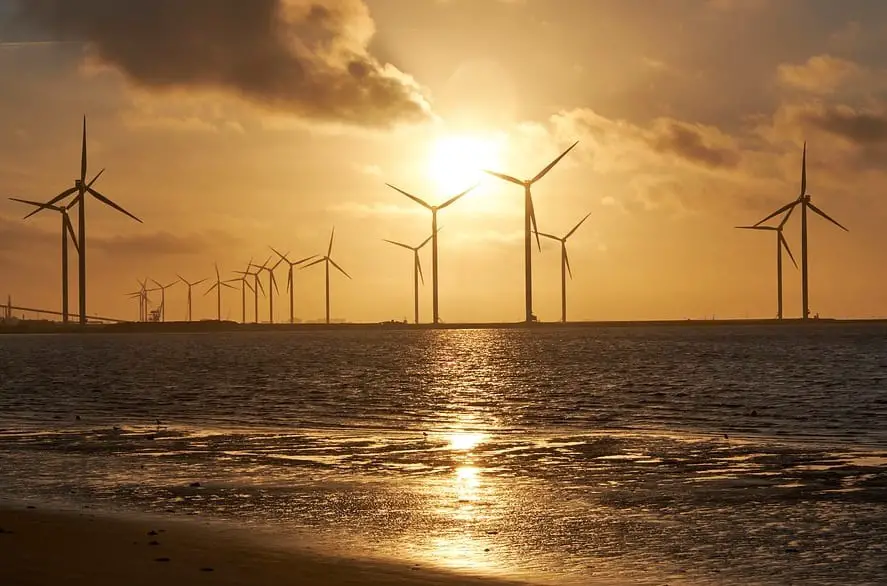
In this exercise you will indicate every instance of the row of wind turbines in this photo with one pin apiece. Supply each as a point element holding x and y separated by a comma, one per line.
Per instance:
<point>82,189</point>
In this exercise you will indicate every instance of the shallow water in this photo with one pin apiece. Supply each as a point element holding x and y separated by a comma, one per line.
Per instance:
<point>692,454</point>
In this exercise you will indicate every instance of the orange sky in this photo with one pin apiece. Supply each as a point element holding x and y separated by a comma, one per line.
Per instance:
<point>690,115</point>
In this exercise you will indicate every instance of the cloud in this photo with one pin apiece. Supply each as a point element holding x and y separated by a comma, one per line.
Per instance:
<point>303,57</point>
<point>822,74</point>
<point>694,143</point>
<point>861,128</point>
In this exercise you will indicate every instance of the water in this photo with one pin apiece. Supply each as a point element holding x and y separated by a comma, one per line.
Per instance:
<point>753,455</point>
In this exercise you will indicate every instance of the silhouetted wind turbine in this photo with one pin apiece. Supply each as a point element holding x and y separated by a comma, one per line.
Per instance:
<point>67,229</point>
<point>272,286</point>
<point>137,295</point>
<point>565,264</point>
<point>781,243</point>
<point>244,284</point>
<point>327,260</point>
<point>218,287</point>
<point>804,201</point>
<point>417,269</point>
<point>530,225</point>
<point>81,188</point>
<point>162,289</point>
<point>290,284</point>
<point>434,230</point>
<point>189,285</point>
<point>257,283</point>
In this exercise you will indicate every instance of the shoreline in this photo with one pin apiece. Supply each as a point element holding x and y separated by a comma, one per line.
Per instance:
<point>213,326</point>
<point>47,547</point>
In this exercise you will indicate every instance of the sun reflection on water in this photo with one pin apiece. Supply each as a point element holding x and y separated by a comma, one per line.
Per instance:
<point>464,441</point>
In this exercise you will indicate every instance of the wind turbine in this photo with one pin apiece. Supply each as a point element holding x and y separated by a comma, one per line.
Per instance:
<point>328,261</point>
<point>530,225</point>
<point>81,188</point>
<point>162,289</point>
<point>781,243</point>
<point>804,201</point>
<point>244,284</point>
<point>189,285</point>
<point>257,283</point>
<point>417,269</point>
<point>272,286</point>
<point>142,296</point>
<point>290,285</point>
<point>434,230</point>
<point>565,264</point>
<point>218,287</point>
<point>67,229</point>
<point>137,295</point>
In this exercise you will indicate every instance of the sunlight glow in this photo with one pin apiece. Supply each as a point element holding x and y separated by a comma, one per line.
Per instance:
<point>455,162</point>
<point>463,441</point>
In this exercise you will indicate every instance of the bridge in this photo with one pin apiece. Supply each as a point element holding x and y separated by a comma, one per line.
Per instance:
<point>9,308</point>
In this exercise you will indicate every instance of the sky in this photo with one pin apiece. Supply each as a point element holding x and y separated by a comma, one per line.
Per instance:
<point>231,127</point>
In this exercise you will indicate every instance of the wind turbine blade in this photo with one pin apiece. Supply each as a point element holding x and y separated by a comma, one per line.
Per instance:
<point>198,282</point>
<point>826,216</point>
<point>551,165</point>
<point>317,262</point>
<point>332,235</point>
<point>53,201</point>
<point>787,249</point>
<point>223,284</point>
<point>411,196</point>
<point>211,289</point>
<point>453,200</point>
<point>786,218</point>
<point>108,202</point>
<point>70,229</point>
<point>248,286</point>
<point>274,282</point>
<point>275,251</point>
<point>171,284</point>
<point>419,267</point>
<point>804,171</point>
<point>535,226</point>
<point>549,236</point>
<point>218,276</point>
<point>567,260</point>
<point>94,179</point>
<point>504,177</point>
<point>36,204</point>
<point>157,283</point>
<point>784,208</point>
<point>289,280</point>
<point>83,154</point>
<point>756,227</point>
<point>306,259</point>
<point>277,264</point>
<point>401,244</point>
<point>576,227</point>
<point>341,270</point>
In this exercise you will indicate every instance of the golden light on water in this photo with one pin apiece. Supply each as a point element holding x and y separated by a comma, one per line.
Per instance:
<point>465,441</point>
<point>467,483</point>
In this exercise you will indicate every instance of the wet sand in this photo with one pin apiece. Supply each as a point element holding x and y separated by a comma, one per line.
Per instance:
<point>48,548</point>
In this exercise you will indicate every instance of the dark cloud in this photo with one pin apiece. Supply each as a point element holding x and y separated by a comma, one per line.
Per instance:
<point>689,143</point>
<point>306,57</point>
<point>864,129</point>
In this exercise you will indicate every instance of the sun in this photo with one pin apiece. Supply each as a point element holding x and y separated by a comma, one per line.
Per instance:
<point>456,162</point>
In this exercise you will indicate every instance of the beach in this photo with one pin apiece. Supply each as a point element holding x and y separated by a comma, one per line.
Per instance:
<point>48,548</point>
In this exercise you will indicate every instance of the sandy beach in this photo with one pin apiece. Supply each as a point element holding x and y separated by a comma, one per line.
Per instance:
<point>40,548</point>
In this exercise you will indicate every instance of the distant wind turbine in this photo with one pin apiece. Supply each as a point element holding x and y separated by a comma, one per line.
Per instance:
<point>530,225</point>
<point>244,285</point>
<point>417,269</point>
<point>434,230</point>
<point>804,201</point>
<point>218,288</point>
<point>81,188</point>
<point>257,283</point>
<point>67,229</point>
<point>162,289</point>
<point>565,264</point>
<point>189,285</point>
<point>290,284</point>
<point>327,260</point>
<point>781,243</point>
<point>272,286</point>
